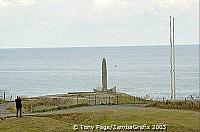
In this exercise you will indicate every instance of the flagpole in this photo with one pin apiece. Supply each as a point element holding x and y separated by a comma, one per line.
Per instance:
<point>171,74</point>
<point>174,61</point>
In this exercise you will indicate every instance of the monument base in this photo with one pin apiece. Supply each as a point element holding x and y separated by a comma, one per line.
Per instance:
<point>112,90</point>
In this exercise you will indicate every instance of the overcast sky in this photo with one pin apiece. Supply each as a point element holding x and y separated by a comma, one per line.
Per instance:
<point>66,23</point>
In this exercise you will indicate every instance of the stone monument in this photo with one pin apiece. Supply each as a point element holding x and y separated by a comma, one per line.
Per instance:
<point>104,88</point>
<point>104,75</point>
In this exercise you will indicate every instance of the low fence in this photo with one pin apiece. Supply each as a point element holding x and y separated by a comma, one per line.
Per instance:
<point>55,102</point>
<point>48,103</point>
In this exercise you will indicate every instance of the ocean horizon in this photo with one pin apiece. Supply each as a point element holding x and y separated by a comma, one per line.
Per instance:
<point>136,70</point>
<point>109,46</point>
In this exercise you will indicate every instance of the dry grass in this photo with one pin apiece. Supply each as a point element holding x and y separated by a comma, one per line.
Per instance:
<point>33,124</point>
<point>176,120</point>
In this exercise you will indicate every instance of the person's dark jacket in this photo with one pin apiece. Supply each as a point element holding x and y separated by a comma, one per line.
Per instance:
<point>18,103</point>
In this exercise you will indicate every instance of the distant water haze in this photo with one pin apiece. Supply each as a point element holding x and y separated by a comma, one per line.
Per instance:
<point>137,70</point>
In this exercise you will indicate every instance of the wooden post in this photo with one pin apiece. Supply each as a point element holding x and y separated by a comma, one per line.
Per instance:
<point>4,95</point>
<point>163,99</point>
<point>11,97</point>
<point>89,98</point>
<point>117,100</point>
<point>31,107</point>
<point>134,101</point>
<point>95,100</point>
<point>109,100</point>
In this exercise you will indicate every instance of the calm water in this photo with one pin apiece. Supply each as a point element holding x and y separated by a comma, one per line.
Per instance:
<point>139,70</point>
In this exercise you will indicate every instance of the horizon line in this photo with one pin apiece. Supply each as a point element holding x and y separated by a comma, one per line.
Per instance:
<point>94,46</point>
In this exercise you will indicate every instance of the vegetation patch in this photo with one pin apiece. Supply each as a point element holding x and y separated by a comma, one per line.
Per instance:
<point>184,105</point>
<point>60,108</point>
<point>2,101</point>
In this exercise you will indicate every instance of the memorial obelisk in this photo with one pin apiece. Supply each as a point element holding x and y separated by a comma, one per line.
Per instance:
<point>104,76</point>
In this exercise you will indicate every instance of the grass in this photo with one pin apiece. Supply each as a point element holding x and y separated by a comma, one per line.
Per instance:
<point>60,108</point>
<point>32,124</point>
<point>176,120</point>
<point>128,99</point>
<point>2,101</point>
<point>44,108</point>
<point>37,104</point>
<point>184,105</point>
<point>43,104</point>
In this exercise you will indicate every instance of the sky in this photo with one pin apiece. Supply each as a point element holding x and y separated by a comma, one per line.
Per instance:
<point>88,23</point>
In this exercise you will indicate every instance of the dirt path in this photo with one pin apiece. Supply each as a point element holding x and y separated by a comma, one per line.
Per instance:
<point>4,106</point>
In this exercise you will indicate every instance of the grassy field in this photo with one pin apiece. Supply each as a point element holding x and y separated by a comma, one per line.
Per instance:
<point>48,103</point>
<point>176,120</point>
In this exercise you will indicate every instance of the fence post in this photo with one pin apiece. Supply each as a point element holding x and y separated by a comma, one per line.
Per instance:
<point>95,100</point>
<point>4,95</point>
<point>117,100</point>
<point>77,99</point>
<point>163,99</point>
<point>10,97</point>
<point>89,98</point>
<point>109,100</point>
<point>31,108</point>
<point>134,101</point>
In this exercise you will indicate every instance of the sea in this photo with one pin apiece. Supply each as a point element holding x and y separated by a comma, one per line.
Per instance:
<point>142,71</point>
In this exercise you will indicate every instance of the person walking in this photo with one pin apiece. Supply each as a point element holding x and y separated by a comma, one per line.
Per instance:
<point>19,106</point>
